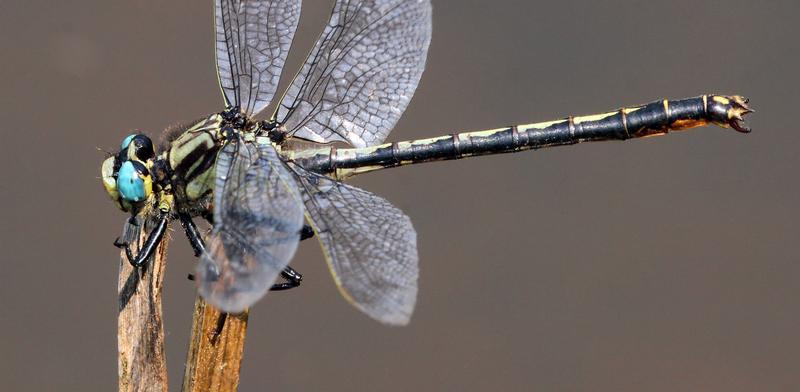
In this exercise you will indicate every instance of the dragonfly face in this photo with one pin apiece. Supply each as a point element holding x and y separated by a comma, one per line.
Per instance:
<point>265,179</point>
<point>127,175</point>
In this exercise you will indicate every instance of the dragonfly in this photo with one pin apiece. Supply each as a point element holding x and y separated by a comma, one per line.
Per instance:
<point>265,185</point>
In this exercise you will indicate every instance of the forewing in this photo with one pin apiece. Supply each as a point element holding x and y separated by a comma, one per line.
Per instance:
<point>369,244</point>
<point>252,40</point>
<point>258,215</point>
<point>361,74</point>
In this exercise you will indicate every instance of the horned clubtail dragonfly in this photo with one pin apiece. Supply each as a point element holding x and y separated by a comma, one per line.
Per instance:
<point>264,185</point>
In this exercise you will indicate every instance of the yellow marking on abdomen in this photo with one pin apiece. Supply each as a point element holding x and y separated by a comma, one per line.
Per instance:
<point>488,132</point>
<point>429,140</point>
<point>593,117</point>
<point>540,125</point>
<point>722,100</point>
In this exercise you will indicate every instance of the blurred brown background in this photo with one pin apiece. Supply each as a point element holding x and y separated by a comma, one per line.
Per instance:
<point>662,264</point>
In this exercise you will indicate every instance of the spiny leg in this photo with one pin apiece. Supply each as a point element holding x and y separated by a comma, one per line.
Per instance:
<point>193,234</point>
<point>194,237</point>
<point>293,278</point>
<point>153,239</point>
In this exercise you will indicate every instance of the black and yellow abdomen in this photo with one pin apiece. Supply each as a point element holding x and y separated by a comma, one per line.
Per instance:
<point>655,118</point>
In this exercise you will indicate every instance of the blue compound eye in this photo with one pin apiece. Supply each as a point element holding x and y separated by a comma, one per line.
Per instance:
<point>126,142</point>
<point>133,181</point>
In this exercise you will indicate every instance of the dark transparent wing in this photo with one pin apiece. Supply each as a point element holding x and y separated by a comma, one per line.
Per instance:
<point>258,215</point>
<point>370,246</point>
<point>253,38</point>
<point>361,74</point>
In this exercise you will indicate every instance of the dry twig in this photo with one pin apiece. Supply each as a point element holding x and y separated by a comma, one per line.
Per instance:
<point>215,349</point>
<point>140,329</point>
<point>217,339</point>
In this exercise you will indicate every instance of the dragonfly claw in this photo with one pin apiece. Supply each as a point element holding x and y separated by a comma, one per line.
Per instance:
<point>126,247</point>
<point>738,109</point>
<point>728,111</point>
<point>120,244</point>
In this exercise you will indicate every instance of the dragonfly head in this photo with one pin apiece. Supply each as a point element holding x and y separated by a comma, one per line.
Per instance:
<point>126,175</point>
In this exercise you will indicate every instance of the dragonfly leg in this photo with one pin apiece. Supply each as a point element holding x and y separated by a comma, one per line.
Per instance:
<point>306,232</point>
<point>193,234</point>
<point>194,237</point>
<point>208,216</point>
<point>153,239</point>
<point>293,279</point>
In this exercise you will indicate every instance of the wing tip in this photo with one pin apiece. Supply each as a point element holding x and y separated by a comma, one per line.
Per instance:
<point>392,313</point>
<point>398,320</point>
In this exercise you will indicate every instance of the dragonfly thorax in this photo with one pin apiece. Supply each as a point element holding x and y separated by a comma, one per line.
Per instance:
<point>234,117</point>
<point>135,178</point>
<point>191,157</point>
<point>276,133</point>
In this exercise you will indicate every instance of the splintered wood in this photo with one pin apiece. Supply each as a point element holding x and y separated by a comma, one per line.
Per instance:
<point>142,365</point>
<point>217,339</point>
<point>215,349</point>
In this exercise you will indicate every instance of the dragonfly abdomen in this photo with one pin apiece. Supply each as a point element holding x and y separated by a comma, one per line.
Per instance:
<point>655,118</point>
